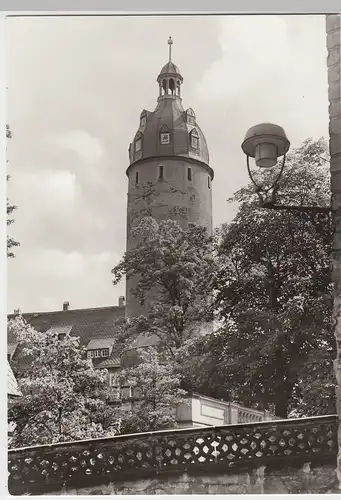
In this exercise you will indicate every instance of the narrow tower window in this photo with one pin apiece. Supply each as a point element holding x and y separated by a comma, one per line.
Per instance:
<point>189,174</point>
<point>136,178</point>
<point>171,87</point>
<point>161,172</point>
<point>209,182</point>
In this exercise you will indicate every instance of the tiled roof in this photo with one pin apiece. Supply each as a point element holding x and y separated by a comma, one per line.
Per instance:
<point>12,385</point>
<point>60,329</point>
<point>100,343</point>
<point>113,362</point>
<point>83,323</point>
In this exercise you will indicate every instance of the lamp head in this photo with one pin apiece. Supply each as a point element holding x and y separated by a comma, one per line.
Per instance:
<point>265,143</point>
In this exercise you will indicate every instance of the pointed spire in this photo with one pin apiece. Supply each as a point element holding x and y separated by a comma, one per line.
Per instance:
<point>170,43</point>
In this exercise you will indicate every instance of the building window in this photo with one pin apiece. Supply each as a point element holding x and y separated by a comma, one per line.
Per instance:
<point>98,353</point>
<point>126,392</point>
<point>209,182</point>
<point>190,116</point>
<point>61,336</point>
<point>165,137</point>
<point>161,172</point>
<point>143,121</point>
<point>194,139</point>
<point>189,174</point>
<point>138,145</point>
<point>136,178</point>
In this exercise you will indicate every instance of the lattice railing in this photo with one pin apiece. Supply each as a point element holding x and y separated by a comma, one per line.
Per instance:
<point>47,468</point>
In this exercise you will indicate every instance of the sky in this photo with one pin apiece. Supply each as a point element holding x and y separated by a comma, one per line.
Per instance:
<point>76,88</point>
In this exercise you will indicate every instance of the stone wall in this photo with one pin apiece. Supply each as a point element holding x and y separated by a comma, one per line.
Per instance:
<point>171,197</point>
<point>307,479</point>
<point>333,62</point>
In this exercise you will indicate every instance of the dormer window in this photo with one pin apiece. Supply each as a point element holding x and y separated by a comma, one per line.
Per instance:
<point>164,135</point>
<point>165,138</point>
<point>99,347</point>
<point>138,144</point>
<point>98,353</point>
<point>190,116</point>
<point>194,138</point>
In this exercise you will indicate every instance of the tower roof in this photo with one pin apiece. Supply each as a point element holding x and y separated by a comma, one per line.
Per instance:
<point>169,130</point>
<point>170,69</point>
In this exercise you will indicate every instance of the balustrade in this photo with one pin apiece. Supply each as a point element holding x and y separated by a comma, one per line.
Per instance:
<point>48,468</point>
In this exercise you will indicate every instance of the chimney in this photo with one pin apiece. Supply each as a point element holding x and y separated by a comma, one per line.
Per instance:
<point>121,301</point>
<point>66,305</point>
<point>16,311</point>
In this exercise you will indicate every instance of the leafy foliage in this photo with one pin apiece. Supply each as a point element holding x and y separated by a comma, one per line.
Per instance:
<point>11,242</point>
<point>175,269</point>
<point>156,394</point>
<point>63,395</point>
<point>274,292</point>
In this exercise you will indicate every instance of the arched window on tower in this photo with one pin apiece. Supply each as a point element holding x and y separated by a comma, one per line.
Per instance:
<point>178,87</point>
<point>190,116</point>
<point>164,135</point>
<point>194,139</point>
<point>138,143</point>
<point>143,118</point>
<point>171,87</point>
<point>164,87</point>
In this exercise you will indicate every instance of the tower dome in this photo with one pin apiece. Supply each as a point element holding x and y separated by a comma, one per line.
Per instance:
<point>169,130</point>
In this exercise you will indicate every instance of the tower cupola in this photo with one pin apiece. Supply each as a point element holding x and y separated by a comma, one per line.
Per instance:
<point>169,130</point>
<point>170,78</point>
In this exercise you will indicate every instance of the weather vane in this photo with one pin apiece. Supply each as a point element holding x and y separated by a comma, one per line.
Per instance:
<point>170,42</point>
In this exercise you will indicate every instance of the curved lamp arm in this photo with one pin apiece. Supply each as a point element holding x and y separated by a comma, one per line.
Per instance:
<point>274,185</point>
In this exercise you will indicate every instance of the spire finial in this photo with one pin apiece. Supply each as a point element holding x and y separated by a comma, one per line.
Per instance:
<point>170,42</point>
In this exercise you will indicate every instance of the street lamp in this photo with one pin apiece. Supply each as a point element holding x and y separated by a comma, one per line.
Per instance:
<point>266,143</point>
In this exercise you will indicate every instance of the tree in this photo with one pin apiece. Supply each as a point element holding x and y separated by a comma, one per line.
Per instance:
<point>156,394</point>
<point>175,270</point>
<point>274,293</point>
<point>11,242</point>
<point>63,395</point>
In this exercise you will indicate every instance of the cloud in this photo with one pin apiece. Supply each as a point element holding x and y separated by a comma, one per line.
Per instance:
<point>55,275</point>
<point>254,48</point>
<point>47,191</point>
<point>89,148</point>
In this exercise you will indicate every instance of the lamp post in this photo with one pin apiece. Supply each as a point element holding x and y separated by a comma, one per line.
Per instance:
<point>266,143</point>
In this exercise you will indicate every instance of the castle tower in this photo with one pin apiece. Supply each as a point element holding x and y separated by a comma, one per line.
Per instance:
<point>169,176</point>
